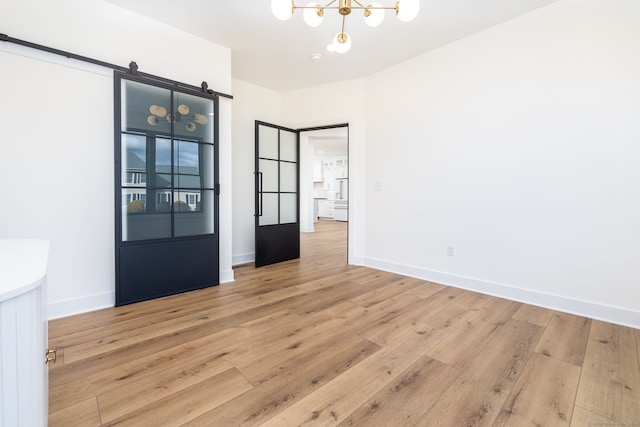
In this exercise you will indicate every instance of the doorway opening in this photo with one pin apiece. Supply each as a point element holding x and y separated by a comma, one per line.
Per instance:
<point>324,188</point>
<point>289,199</point>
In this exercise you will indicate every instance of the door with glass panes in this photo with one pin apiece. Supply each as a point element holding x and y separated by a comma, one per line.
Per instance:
<point>277,206</point>
<point>166,190</point>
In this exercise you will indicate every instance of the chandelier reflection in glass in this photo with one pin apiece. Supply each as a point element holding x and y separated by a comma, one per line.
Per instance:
<point>313,13</point>
<point>160,112</point>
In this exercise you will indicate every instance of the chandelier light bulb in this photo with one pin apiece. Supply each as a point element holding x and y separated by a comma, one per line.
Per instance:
<point>408,9</point>
<point>313,16</point>
<point>342,42</point>
<point>374,17</point>
<point>282,9</point>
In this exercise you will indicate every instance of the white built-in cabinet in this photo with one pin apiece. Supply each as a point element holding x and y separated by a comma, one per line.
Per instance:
<point>341,168</point>
<point>23,333</point>
<point>333,169</point>
<point>322,208</point>
<point>328,174</point>
<point>325,208</point>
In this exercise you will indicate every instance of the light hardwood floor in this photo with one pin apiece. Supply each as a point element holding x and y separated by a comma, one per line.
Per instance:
<point>318,342</point>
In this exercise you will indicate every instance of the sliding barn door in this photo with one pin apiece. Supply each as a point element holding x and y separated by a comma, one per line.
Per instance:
<point>166,190</point>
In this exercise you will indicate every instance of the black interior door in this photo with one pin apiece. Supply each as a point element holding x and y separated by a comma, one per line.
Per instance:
<point>277,198</point>
<point>166,175</point>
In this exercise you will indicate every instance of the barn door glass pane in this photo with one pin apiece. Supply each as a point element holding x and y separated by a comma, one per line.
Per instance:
<point>167,146</point>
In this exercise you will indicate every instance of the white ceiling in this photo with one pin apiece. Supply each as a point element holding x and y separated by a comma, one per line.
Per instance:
<point>277,54</point>
<point>329,143</point>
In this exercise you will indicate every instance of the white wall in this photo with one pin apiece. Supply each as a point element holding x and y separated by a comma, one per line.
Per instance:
<point>519,146</point>
<point>56,124</point>
<point>250,103</point>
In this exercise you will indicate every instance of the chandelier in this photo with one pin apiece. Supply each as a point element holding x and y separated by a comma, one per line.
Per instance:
<point>313,13</point>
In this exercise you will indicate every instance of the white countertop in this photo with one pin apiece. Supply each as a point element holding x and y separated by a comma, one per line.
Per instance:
<point>23,265</point>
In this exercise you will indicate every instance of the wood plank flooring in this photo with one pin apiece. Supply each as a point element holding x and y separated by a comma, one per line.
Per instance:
<point>317,342</point>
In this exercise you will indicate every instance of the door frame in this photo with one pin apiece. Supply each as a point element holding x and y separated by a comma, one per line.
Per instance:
<point>259,258</point>
<point>348,129</point>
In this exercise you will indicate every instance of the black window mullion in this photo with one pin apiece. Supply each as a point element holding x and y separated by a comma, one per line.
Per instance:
<point>279,179</point>
<point>172,166</point>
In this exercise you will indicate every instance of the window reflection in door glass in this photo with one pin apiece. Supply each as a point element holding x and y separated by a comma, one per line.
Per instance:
<point>163,155</point>
<point>167,163</point>
<point>134,159</point>
<point>186,156</point>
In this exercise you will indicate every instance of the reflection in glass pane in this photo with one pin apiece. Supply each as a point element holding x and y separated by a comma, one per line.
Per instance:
<point>134,200</point>
<point>288,208</point>
<point>207,165</point>
<point>186,159</point>
<point>167,163</point>
<point>268,137</point>
<point>288,146</point>
<point>194,212</point>
<point>187,181</point>
<point>148,108</point>
<point>163,200</point>
<point>138,222</point>
<point>193,117</point>
<point>269,170</point>
<point>163,181</point>
<point>134,160</point>
<point>187,200</point>
<point>269,209</point>
<point>288,177</point>
<point>163,155</point>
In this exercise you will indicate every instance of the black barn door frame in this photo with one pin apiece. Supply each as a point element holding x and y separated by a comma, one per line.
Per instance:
<point>148,268</point>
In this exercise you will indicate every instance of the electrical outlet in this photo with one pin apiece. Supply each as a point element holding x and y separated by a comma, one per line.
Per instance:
<point>451,250</point>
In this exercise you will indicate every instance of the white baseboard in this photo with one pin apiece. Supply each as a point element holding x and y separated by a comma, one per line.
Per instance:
<point>70,307</point>
<point>58,309</point>
<point>358,260</point>
<point>617,315</point>
<point>243,258</point>
<point>226,276</point>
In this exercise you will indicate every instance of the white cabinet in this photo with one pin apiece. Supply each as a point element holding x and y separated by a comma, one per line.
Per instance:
<point>325,208</point>
<point>341,168</point>
<point>328,174</point>
<point>23,333</point>
<point>322,208</point>
<point>330,208</point>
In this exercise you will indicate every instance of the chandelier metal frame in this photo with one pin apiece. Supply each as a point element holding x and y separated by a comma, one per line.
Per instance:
<point>344,7</point>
